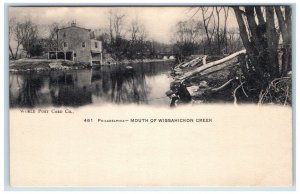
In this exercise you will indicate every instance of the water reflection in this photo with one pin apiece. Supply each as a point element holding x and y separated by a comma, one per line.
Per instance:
<point>141,84</point>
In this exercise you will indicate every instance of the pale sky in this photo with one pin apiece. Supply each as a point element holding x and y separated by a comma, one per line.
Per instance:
<point>158,21</point>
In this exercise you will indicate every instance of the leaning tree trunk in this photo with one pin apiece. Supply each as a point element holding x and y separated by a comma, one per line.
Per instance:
<point>261,40</point>
<point>268,59</point>
<point>285,28</point>
<point>289,32</point>
<point>272,40</point>
<point>11,53</point>
<point>250,46</point>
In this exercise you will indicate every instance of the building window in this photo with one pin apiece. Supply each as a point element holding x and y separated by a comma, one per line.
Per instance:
<point>96,44</point>
<point>83,44</point>
<point>64,35</point>
<point>65,44</point>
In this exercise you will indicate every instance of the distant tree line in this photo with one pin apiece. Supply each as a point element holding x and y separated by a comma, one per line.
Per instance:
<point>128,39</point>
<point>121,38</point>
<point>206,32</point>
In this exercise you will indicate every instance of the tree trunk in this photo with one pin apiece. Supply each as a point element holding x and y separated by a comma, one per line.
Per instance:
<point>272,42</point>
<point>206,23</point>
<point>242,27</point>
<point>289,33</point>
<point>17,50</point>
<point>11,52</point>
<point>247,44</point>
<point>252,26</point>
<point>282,25</point>
<point>225,28</point>
<point>218,30</point>
<point>285,40</point>
<point>260,15</point>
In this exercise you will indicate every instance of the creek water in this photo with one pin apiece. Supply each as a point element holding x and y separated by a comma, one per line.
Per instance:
<point>144,83</point>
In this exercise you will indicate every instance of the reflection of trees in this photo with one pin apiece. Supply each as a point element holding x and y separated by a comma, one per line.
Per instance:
<point>113,84</point>
<point>63,78</point>
<point>105,83</point>
<point>65,90</point>
<point>117,84</point>
<point>14,85</point>
<point>28,96</point>
<point>151,69</point>
<point>71,96</point>
<point>128,86</point>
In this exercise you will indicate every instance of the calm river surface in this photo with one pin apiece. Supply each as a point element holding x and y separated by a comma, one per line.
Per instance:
<point>145,83</point>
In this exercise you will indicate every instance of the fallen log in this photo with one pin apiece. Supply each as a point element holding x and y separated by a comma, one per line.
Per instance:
<point>193,62</point>
<point>209,65</point>
<point>204,60</point>
<point>187,64</point>
<point>179,65</point>
<point>217,68</point>
<point>196,91</point>
<point>222,86</point>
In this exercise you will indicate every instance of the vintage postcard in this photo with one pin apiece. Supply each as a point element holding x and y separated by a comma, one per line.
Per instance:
<point>194,96</point>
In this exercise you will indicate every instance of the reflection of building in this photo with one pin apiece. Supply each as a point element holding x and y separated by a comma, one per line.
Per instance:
<point>75,44</point>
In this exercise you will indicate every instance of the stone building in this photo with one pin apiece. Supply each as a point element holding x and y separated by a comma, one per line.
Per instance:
<point>75,43</point>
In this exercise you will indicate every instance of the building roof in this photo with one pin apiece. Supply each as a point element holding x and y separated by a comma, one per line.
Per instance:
<point>74,27</point>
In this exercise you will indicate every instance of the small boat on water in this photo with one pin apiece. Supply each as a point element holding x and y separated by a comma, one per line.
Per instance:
<point>129,67</point>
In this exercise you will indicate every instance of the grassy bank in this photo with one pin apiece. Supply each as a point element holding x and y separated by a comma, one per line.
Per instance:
<point>40,65</point>
<point>47,65</point>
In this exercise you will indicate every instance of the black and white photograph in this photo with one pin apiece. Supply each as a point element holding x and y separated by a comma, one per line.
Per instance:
<point>86,56</point>
<point>150,96</point>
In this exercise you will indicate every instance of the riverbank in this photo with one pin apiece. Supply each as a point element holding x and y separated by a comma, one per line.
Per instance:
<point>225,80</point>
<point>134,61</point>
<point>41,65</point>
<point>210,84</point>
<point>49,65</point>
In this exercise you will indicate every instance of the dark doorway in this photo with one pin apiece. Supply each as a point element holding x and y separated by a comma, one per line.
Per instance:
<point>69,56</point>
<point>60,55</point>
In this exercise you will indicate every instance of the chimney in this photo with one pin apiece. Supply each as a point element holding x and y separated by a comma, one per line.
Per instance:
<point>73,23</point>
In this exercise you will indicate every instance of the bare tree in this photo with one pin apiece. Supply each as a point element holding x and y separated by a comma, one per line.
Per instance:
<point>134,30</point>
<point>234,42</point>
<point>53,35</point>
<point>118,44</point>
<point>218,10</point>
<point>12,34</point>
<point>262,39</point>
<point>188,35</point>
<point>116,23</point>
<point>137,31</point>
<point>267,57</point>
<point>53,41</point>
<point>16,33</point>
<point>285,28</point>
<point>214,21</point>
<point>137,37</point>
<point>225,39</point>
<point>207,15</point>
<point>26,34</point>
